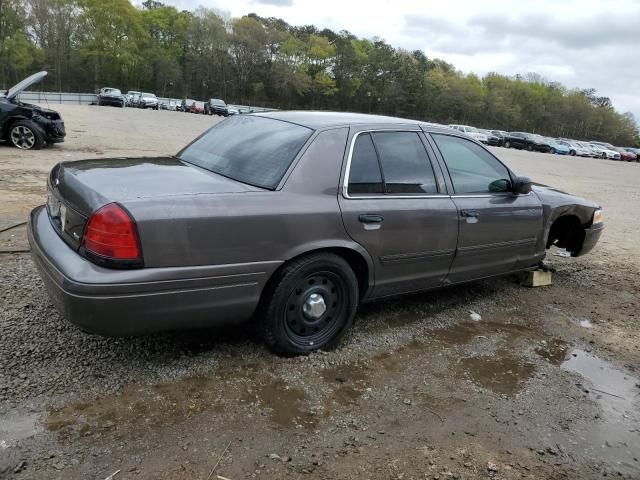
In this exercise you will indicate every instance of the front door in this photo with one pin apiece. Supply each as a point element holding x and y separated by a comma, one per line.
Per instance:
<point>498,229</point>
<point>395,205</point>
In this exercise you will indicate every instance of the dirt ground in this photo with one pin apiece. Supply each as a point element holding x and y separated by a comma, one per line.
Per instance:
<point>545,385</point>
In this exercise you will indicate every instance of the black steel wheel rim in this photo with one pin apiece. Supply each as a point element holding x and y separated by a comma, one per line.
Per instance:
<point>308,329</point>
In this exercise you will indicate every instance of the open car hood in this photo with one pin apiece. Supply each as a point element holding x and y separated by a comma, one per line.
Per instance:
<point>24,84</point>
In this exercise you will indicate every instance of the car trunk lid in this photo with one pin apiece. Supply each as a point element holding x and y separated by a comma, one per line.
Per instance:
<point>77,189</point>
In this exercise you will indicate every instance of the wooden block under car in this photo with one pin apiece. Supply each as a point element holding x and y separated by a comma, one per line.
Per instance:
<point>536,278</point>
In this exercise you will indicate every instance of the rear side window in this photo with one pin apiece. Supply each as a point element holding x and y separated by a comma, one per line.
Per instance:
<point>390,163</point>
<point>364,177</point>
<point>471,167</point>
<point>250,149</point>
<point>405,164</point>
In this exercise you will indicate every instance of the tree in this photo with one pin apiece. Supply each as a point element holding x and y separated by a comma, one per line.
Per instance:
<point>112,36</point>
<point>248,50</point>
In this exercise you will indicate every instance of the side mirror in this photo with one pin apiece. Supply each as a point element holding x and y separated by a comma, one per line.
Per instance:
<point>502,185</point>
<point>522,185</point>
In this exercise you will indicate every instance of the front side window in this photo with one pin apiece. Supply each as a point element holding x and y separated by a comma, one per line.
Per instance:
<point>250,149</point>
<point>471,167</point>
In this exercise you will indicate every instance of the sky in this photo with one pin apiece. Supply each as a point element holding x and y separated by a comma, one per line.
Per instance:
<point>582,44</point>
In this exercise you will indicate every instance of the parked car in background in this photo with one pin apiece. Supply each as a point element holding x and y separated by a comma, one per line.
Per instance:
<point>197,107</point>
<point>111,96</point>
<point>634,150</point>
<point>215,106</point>
<point>605,150</point>
<point>148,100</point>
<point>492,139</point>
<point>185,105</point>
<point>233,110</point>
<point>473,132</point>
<point>575,148</point>
<point>28,126</point>
<point>626,155</point>
<point>591,151</point>
<point>131,98</point>
<point>500,134</point>
<point>135,245</point>
<point>172,104</point>
<point>527,141</point>
<point>557,147</point>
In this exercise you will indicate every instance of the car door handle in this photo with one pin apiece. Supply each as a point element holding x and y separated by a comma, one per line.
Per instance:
<point>470,213</point>
<point>370,218</point>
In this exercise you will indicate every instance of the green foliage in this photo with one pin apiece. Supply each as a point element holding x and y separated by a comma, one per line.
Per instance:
<point>87,44</point>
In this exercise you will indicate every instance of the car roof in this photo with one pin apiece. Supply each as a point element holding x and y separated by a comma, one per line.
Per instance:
<point>317,120</point>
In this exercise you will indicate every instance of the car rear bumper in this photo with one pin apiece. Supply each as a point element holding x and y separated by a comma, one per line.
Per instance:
<point>591,237</point>
<point>130,302</point>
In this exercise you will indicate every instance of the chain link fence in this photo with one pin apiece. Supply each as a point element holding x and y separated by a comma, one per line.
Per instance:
<point>89,98</point>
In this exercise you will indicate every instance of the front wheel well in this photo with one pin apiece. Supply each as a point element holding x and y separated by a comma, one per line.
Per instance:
<point>567,232</point>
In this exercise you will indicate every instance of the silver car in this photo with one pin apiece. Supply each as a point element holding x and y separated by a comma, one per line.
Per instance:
<point>148,100</point>
<point>473,132</point>
<point>605,151</point>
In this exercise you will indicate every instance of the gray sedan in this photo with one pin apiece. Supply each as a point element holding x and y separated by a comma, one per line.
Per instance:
<point>291,218</point>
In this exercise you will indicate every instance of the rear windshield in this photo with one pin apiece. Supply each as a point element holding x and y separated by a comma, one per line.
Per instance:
<point>249,149</point>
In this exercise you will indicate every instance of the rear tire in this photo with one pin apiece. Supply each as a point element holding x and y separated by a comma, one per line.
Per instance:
<point>507,144</point>
<point>25,135</point>
<point>309,305</point>
<point>552,151</point>
<point>530,148</point>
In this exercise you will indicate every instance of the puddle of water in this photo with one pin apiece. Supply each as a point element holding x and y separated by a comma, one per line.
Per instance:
<point>555,351</point>
<point>284,403</point>
<point>501,373</point>
<point>463,333</point>
<point>14,428</point>
<point>150,405</point>
<point>349,382</point>
<point>393,360</point>
<point>616,435</point>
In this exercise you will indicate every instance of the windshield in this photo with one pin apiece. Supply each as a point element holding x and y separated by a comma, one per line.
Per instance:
<point>215,101</point>
<point>249,149</point>
<point>115,91</point>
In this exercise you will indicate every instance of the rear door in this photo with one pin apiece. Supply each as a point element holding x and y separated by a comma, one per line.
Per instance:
<point>395,204</point>
<point>498,229</point>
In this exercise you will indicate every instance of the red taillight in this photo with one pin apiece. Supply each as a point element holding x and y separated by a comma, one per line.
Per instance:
<point>111,233</point>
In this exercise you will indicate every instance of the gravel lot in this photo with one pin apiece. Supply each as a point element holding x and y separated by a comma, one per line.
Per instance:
<point>546,385</point>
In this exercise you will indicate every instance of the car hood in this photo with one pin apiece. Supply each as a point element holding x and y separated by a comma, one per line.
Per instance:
<point>14,91</point>
<point>89,184</point>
